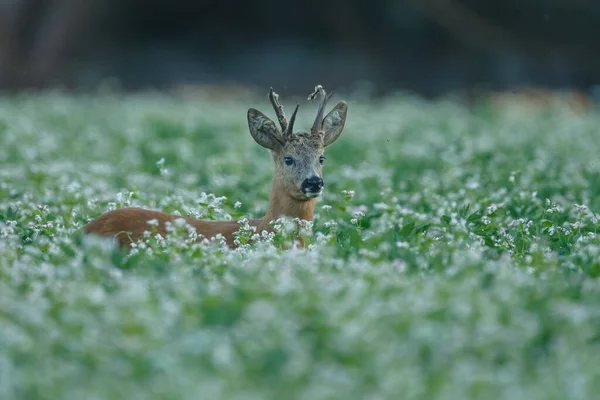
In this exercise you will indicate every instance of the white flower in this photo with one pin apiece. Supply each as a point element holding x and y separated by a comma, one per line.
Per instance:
<point>358,214</point>
<point>348,193</point>
<point>179,222</point>
<point>380,206</point>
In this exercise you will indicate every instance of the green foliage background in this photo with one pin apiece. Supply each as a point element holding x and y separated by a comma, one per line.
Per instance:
<point>453,255</point>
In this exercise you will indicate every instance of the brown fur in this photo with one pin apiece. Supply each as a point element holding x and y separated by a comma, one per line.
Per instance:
<point>286,197</point>
<point>128,225</point>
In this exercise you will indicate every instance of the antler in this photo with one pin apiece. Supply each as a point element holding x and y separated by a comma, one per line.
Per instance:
<point>290,129</point>
<point>274,98</point>
<point>318,124</point>
<point>286,128</point>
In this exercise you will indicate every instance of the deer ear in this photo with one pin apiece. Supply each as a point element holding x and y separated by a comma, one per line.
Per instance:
<point>333,123</point>
<point>263,130</point>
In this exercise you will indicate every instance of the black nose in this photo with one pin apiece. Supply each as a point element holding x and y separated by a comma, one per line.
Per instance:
<point>312,184</point>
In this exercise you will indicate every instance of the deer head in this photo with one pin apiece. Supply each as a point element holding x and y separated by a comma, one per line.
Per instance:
<point>298,156</point>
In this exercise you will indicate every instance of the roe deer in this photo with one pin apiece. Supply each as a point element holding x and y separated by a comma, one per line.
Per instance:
<point>297,180</point>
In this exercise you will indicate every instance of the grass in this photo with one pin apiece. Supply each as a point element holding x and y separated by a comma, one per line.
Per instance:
<point>455,254</point>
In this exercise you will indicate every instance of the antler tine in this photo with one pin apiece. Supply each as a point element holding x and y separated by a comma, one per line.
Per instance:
<point>290,129</point>
<point>274,98</point>
<point>319,119</point>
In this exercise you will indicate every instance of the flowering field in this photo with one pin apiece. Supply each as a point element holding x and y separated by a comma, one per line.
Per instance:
<point>454,254</point>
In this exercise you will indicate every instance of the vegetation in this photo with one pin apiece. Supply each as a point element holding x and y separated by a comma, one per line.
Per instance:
<point>455,254</point>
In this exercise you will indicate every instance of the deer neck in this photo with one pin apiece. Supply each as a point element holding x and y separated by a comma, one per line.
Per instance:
<point>283,205</point>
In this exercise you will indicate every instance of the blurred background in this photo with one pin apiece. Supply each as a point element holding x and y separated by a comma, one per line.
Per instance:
<point>431,47</point>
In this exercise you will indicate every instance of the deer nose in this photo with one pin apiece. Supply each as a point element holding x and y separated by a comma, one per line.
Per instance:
<point>312,184</point>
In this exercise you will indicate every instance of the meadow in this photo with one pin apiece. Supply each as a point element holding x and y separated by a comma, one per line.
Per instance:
<point>454,254</point>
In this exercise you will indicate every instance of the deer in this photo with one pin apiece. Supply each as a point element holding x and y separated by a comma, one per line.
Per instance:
<point>297,182</point>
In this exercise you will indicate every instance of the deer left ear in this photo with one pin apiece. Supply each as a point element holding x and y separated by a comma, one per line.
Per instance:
<point>333,123</point>
<point>263,130</point>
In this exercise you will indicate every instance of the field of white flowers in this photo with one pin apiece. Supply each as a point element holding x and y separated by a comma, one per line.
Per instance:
<point>455,254</point>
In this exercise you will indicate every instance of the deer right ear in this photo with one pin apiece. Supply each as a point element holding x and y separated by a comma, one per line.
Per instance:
<point>333,123</point>
<point>263,130</point>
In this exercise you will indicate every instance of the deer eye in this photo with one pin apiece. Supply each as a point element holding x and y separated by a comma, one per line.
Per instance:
<point>322,159</point>
<point>288,160</point>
